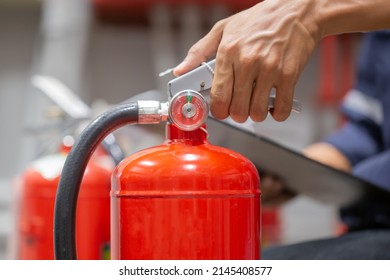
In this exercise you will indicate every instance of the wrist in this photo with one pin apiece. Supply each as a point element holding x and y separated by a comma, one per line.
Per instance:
<point>336,16</point>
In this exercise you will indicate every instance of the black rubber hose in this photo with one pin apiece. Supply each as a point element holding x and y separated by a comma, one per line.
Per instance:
<point>73,171</point>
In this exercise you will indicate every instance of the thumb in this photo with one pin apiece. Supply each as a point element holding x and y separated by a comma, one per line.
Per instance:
<point>201,51</point>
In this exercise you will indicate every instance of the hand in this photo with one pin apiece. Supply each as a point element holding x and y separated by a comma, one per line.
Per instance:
<point>274,191</point>
<point>256,50</point>
<point>328,155</point>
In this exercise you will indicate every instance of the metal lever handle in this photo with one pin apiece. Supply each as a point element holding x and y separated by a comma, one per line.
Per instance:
<point>200,80</point>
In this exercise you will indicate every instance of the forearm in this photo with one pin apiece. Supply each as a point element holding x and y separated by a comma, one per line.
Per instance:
<point>342,16</point>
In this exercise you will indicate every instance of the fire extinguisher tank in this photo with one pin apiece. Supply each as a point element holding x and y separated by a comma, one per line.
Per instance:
<point>185,199</point>
<point>34,236</point>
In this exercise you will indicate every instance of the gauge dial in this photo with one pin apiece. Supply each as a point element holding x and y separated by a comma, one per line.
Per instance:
<point>188,110</point>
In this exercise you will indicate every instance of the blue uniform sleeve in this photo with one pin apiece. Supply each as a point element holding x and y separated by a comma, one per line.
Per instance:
<point>358,140</point>
<point>363,106</point>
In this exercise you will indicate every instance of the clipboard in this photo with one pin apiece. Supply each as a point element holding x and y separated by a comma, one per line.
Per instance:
<point>303,175</point>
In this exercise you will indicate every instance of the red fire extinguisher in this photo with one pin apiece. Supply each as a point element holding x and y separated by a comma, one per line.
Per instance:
<point>34,233</point>
<point>184,199</point>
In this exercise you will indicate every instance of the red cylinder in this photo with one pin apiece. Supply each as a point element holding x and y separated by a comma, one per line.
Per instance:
<point>36,209</point>
<point>185,199</point>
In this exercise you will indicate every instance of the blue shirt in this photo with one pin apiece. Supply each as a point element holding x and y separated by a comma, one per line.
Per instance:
<point>365,138</point>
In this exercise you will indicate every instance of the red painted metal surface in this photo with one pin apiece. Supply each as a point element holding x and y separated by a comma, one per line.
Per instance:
<point>122,11</point>
<point>271,226</point>
<point>337,59</point>
<point>185,199</point>
<point>36,206</point>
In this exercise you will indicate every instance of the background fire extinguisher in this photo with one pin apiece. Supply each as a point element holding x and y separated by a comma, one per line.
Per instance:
<point>36,187</point>
<point>37,190</point>
<point>184,199</point>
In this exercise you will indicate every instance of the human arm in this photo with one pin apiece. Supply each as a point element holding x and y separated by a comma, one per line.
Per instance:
<point>268,45</point>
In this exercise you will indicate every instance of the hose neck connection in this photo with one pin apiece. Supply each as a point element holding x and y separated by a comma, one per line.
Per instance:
<point>193,137</point>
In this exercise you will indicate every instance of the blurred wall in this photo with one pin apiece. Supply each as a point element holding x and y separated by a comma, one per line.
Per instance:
<point>19,24</point>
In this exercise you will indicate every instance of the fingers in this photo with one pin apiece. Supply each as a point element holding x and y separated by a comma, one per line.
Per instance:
<point>238,93</point>
<point>222,88</point>
<point>271,186</point>
<point>243,83</point>
<point>201,51</point>
<point>232,87</point>
<point>284,92</point>
<point>274,191</point>
<point>283,103</point>
<point>260,95</point>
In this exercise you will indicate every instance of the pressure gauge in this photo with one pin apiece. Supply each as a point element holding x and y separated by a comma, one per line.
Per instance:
<point>188,110</point>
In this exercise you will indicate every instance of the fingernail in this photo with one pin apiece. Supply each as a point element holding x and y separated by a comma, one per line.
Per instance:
<point>179,68</point>
<point>180,65</point>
